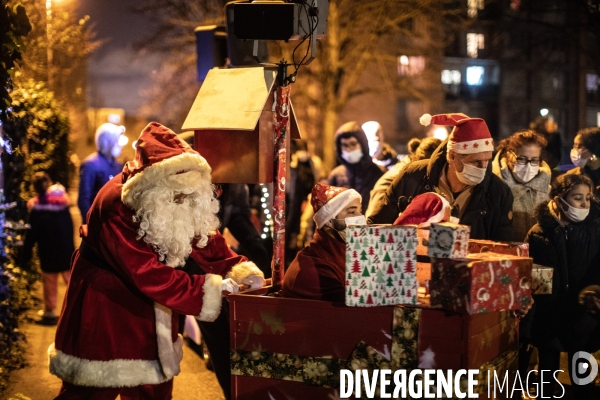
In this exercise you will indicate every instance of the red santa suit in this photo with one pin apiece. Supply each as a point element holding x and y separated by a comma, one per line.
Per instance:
<point>119,323</point>
<point>319,270</point>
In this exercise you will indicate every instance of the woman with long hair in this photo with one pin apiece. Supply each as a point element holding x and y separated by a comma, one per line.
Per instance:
<point>519,163</point>
<point>566,238</point>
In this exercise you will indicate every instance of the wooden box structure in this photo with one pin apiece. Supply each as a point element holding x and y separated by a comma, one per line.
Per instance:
<point>285,348</point>
<point>232,119</point>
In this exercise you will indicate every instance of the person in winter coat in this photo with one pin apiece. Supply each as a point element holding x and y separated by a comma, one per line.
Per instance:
<point>552,151</point>
<point>585,155</point>
<point>99,167</point>
<point>118,329</point>
<point>459,170</point>
<point>566,239</point>
<point>319,270</point>
<point>52,230</point>
<point>519,164</point>
<point>356,170</point>
<point>425,149</point>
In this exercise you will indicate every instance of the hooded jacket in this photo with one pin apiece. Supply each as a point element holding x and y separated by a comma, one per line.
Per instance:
<point>572,251</point>
<point>527,195</point>
<point>361,176</point>
<point>488,213</point>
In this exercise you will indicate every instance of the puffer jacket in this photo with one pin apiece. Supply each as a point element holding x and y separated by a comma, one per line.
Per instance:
<point>527,195</point>
<point>488,213</point>
<point>361,176</point>
<point>573,251</point>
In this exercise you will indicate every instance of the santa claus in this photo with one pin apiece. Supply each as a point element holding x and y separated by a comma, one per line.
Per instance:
<point>118,330</point>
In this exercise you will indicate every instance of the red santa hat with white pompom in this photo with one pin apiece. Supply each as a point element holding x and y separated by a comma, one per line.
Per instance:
<point>470,135</point>
<point>426,209</point>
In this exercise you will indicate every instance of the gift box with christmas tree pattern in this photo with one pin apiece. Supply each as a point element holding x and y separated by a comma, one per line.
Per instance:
<point>381,265</point>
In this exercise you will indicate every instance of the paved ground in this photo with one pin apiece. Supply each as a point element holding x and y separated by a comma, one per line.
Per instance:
<point>35,382</point>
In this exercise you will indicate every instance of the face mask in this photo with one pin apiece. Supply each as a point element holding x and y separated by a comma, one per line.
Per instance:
<point>576,158</point>
<point>525,173</point>
<point>352,157</point>
<point>573,213</point>
<point>471,175</point>
<point>358,220</point>
<point>116,151</point>
<point>302,155</point>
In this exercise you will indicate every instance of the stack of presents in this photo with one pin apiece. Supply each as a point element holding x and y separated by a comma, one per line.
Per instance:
<point>427,298</point>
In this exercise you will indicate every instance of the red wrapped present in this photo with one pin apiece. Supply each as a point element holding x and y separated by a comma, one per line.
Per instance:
<point>450,341</point>
<point>294,349</point>
<point>513,248</point>
<point>481,283</point>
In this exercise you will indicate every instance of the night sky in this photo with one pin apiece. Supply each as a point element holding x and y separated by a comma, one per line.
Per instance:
<point>117,74</point>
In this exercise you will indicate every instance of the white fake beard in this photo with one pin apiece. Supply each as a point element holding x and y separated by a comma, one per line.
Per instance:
<point>170,227</point>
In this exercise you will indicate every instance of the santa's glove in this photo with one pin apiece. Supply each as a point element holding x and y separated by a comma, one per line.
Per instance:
<point>254,281</point>
<point>229,285</point>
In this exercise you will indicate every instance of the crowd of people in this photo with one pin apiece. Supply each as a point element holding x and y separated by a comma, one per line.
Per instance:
<point>152,251</point>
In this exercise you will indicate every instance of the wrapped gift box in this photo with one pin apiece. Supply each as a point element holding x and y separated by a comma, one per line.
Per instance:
<point>448,340</point>
<point>448,240</point>
<point>423,260</point>
<point>294,349</point>
<point>513,248</point>
<point>481,283</point>
<point>541,279</point>
<point>381,265</point>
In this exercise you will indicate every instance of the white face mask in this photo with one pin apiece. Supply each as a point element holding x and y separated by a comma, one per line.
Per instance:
<point>352,157</point>
<point>358,220</point>
<point>525,173</point>
<point>471,175</point>
<point>576,158</point>
<point>573,213</point>
<point>116,151</point>
<point>302,155</point>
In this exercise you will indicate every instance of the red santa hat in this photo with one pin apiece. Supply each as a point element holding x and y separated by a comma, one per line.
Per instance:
<point>329,201</point>
<point>470,135</point>
<point>160,153</point>
<point>425,209</point>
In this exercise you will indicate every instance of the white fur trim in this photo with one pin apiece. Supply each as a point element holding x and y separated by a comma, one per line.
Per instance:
<point>167,167</point>
<point>425,119</point>
<point>472,146</point>
<point>114,373</point>
<point>211,300</point>
<point>334,206</point>
<point>169,353</point>
<point>243,270</point>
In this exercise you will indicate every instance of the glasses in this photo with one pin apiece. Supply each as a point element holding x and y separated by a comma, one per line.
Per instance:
<point>523,160</point>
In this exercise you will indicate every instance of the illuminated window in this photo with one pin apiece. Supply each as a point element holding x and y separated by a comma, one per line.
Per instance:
<point>591,82</point>
<point>450,77</point>
<point>409,65</point>
<point>475,42</point>
<point>474,7</point>
<point>475,75</point>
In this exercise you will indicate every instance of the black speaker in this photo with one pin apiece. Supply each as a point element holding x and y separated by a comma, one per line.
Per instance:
<point>240,51</point>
